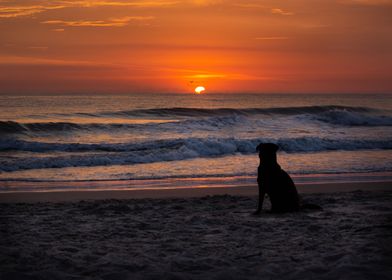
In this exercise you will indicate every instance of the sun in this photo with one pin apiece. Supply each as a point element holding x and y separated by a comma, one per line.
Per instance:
<point>199,89</point>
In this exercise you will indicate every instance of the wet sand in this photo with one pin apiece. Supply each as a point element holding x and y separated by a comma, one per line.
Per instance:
<point>167,192</point>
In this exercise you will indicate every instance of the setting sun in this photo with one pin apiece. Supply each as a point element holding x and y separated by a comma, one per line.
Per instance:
<point>199,89</point>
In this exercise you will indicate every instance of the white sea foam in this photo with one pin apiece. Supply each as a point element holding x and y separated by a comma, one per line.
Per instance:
<point>210,119</point>
<point>349,118</point>
<point>165,150</point>
<point>46,132</point>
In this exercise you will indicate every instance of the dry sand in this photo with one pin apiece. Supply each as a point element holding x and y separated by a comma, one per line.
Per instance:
<point>209,237</point>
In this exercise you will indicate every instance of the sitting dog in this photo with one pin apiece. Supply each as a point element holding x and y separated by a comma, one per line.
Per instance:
<point>275,182</point>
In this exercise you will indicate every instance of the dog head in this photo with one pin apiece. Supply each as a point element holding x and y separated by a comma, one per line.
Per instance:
<point>267,151</point>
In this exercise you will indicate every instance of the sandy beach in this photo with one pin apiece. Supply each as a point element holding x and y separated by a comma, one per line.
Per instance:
<point>196,234</point>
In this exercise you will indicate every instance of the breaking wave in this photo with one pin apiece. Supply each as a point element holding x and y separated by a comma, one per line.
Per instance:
<point>213,118</point>
<point>197,112</point>
<point>76,154</point>
<point>349,118</point>
<point>16,127</point>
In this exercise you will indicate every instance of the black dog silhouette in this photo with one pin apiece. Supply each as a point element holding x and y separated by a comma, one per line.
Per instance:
<point>275,182</point>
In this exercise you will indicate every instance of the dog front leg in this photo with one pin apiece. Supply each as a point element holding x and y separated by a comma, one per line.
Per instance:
<point>260,202</point>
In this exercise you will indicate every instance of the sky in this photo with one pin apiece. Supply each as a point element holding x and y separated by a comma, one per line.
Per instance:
<point>227,46</point>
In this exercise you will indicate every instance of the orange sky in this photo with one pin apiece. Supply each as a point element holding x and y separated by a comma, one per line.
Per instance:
<point>119,46</point>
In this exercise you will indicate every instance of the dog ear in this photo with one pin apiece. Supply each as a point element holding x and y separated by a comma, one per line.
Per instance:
<point>267,148</point>
<point>258,148</point>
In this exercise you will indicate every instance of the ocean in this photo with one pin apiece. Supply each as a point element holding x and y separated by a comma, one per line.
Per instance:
<point>50,143</point>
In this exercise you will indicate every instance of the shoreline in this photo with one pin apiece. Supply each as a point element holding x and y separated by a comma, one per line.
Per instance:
<point>184,192</point>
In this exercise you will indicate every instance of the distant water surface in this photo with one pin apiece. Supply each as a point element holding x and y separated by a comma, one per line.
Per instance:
<point>184,137</point>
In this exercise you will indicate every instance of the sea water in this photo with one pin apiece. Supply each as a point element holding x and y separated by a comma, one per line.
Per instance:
<point>177,140</point>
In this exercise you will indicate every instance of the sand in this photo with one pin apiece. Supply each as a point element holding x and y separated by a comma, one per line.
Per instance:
<point>186,192</point>
<point>200,237</point>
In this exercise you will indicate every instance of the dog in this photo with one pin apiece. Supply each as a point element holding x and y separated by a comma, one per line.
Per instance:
<point>275,182</point>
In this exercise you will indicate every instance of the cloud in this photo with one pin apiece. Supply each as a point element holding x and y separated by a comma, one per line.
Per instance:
<point>16,9</point>
<point>27,60</point>
<point>205,76</point>
<point>267,9</point>
<point>210,75</point>
<point>113,22</point>
<point>19,11</point>
<point>97,3</point>
<point>281,12</point>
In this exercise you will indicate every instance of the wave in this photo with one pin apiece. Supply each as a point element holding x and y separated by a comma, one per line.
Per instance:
<point>208,119</point>
<point>10,127</point>
<point>350,118</point>
<point>337,115</point>
<point>164,150</point>
<point>16,127</point>
<point>202,112</point>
